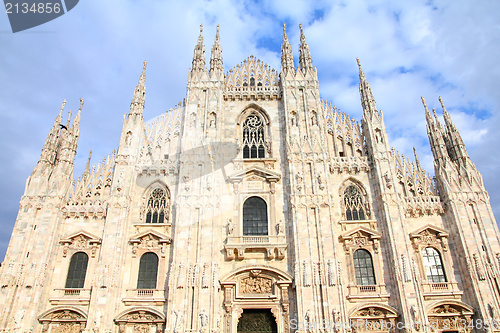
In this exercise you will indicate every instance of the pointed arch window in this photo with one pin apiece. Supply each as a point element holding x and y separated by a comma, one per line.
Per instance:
<point>157,206</point>
<point>77,270</point>
<point>433,265</point>
<point>255,217</point>
<point>253,137</point>
<point>148,271</point>
<point>363,267</point>
<point>353,203</point>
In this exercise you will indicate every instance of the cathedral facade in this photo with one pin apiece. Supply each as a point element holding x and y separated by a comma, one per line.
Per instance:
<point>253,206</point>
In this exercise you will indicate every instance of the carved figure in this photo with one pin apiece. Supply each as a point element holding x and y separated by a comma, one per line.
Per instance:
<point>280,227</point>
<point>230,227</point>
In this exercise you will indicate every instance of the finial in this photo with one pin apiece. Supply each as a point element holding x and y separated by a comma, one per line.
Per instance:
<point>301,31</point>
<point>442,104</point>
<point>217,29</point>
<point>284,28</point>
<point>416,159</point>
<point>201,28</point>
<point>359,63</point>
<point>435,114</point>
<point>81,104</point>
<point>63,104</point>
<point>67,122</point>
<point>144,67</point>
<point>87,167</point>
<point>424,103</point>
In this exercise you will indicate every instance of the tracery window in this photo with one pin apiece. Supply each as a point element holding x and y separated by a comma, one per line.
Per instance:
<point>77,270</point>
<point>363,267</point>
<point>433,265</point>
<point>253,137</point>
<point>157,206</point>
<point>255,217</point>
<point>148,271</point>
<point>353,203</point>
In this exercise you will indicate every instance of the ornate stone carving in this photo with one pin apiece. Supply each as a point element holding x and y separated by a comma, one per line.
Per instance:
<point>479,267</point>
<point>305,274</point>
<point>141,328</point>
<point>331,272</point>
<point>64,315</point>
<point>256,285</point>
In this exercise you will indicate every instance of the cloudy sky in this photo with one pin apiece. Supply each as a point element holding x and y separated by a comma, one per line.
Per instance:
<point>408,49</point>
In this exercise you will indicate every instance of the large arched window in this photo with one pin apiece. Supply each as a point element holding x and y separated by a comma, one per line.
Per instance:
<point>433,265</point>
<point>363,267</point>
<point>148,271</point>
<point>157,206</point>
<point>254,217</point>
<point>353,202</point>
<point>77,270</point>
<point>253,137</point>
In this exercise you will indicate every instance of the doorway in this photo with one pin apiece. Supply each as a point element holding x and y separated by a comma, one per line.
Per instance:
<point>257,321</point>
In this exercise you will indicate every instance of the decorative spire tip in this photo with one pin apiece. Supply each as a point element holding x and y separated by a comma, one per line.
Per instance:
<point>81,104</point>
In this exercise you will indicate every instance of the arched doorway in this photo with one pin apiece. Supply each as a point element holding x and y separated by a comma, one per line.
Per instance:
<point>257,321</point>
<point>256,300</point>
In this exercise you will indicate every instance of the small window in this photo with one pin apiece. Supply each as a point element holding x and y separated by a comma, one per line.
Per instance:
<point>77,270</point>
<point>157,204</point>
<point>148,271</point>
<point>353,202</point>
<point>255,217</point>
<point>433,265</point>
<point>363,266</point>
<point>253,137</point>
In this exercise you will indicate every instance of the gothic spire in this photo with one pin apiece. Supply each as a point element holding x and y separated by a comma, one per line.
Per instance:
<point>454,138</point>
<point>199,53</point>
<point>367,100</point>
<point>216,65</point>
<point>87,167</point>
<point>139,98</point>
<point>417,162</point>
<point>435,134</point>
<point>305,60</point>
<point>286,53</point>
<point>50,146</point>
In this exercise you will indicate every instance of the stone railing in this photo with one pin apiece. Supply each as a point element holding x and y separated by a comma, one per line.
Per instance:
<point>274,246</point>
<point>349,164</point>
<point>423,205</point>
<point>377,292</point>
<point>252,92</point>
<point>70,296</point>
<point>155,296</point>
<point>435,290</point>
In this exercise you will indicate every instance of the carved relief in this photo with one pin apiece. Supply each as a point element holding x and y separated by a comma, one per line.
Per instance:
<point>373,318</point>
<point>256,285</point>
<point>479,267</point>
<point>81,241</point>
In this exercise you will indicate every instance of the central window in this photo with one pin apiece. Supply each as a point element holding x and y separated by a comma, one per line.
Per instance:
<point>148,271</point>
<point>253,137</point>
<point>433,265</point>
<point>255,217</point>
<point>363,267</point>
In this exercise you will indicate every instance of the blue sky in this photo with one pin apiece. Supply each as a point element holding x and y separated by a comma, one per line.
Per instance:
<point>408,49</point>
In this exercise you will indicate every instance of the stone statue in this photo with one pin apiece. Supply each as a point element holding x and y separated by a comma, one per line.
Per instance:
<point>203,319</point>
<point>230,227</point>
